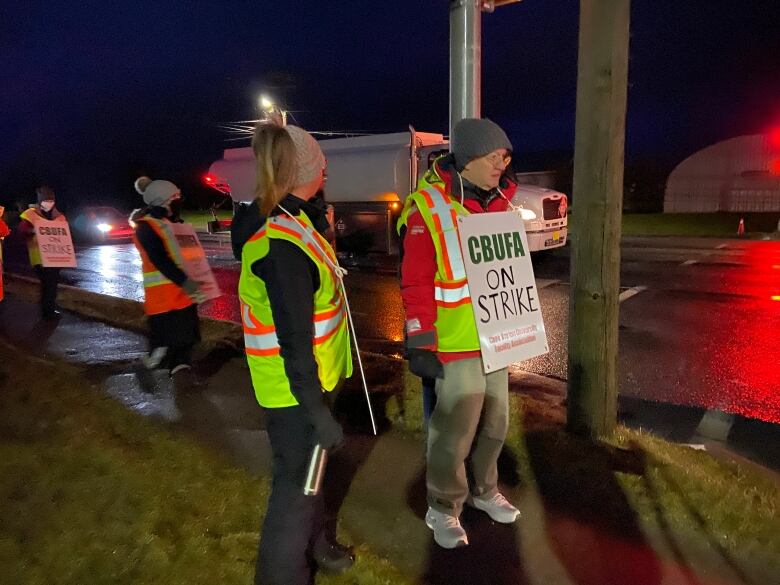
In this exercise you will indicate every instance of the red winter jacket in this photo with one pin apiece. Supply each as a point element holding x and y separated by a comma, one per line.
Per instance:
<point>418,266</point>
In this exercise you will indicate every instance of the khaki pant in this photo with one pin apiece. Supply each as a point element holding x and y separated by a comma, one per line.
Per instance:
<point>468,428</point>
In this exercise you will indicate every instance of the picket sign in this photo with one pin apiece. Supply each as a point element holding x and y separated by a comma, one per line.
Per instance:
<point>195,263</point>
<point>55,243</point>
<point>502,288</point>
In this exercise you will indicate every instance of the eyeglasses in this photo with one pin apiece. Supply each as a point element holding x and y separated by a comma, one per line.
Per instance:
<point>496,159</point>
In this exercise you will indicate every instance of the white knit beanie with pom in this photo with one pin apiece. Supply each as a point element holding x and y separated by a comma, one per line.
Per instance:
<point>155,193</point>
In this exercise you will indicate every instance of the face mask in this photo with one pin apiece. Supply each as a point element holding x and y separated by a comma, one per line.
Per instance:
<point>175,207</point>
<point>47,205</point>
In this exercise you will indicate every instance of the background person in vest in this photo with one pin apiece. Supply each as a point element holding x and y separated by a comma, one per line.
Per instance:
<point>470,418</point>
<point>49,277</point>
<point>170,297</point>
<point>4,231</point>
<point>297,343</point>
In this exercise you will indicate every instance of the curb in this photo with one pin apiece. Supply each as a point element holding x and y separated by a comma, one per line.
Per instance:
<point>119,312</point>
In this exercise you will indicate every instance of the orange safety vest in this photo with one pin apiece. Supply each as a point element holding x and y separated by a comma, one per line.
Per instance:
<point>161,295</point>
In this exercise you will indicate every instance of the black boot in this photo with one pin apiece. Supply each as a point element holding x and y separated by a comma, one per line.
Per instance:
<point>332,558</point>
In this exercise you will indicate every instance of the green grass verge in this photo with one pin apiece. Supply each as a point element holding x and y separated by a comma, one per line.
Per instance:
<point>91,493</point>
<point>721,225</point>
<point>199,218</point>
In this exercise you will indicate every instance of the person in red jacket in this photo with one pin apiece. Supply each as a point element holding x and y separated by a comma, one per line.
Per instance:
<point>471,416</point>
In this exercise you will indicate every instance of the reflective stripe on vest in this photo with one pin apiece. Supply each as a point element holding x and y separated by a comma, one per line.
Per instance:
<point>455,291</point>
<point>154,278</point>
<point>444,219</point>
<point>261,340</point>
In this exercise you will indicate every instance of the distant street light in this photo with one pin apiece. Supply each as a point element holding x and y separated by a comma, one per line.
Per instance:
<point>266,104</point>
<point>272,111</point>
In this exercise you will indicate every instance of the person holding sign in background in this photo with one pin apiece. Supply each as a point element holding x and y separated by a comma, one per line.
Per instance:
<point>470,419</point>
<point>4,231</point>
<point>49,277</point>
<point>170,297</point>
<point>297,343</point>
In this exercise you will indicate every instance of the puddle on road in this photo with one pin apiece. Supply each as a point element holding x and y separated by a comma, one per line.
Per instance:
<point>128,389</point>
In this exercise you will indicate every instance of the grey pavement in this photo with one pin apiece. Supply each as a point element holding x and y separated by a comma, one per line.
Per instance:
<point>377,483</point>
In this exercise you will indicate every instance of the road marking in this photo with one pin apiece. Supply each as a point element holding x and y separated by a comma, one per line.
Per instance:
<point>721,246</point>
<point>545,282</point>
<point>627,294</point>
<point>689,262</point>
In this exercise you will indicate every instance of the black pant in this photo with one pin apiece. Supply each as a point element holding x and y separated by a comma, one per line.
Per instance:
<point>49,278</point>
<point>293,521</point>
<point>177,330</point>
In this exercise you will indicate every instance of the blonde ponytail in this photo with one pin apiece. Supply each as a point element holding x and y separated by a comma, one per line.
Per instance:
<point>275,165</point>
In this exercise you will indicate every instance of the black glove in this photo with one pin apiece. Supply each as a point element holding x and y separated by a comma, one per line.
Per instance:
<point>327,430</point>
<point>424,363</point>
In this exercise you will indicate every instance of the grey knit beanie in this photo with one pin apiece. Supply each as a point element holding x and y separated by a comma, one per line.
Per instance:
<point>309,158</point>
<point>475,137</point>
<point>156,193</point>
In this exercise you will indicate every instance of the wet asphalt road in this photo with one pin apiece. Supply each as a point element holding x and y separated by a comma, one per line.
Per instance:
<point>700,325</point>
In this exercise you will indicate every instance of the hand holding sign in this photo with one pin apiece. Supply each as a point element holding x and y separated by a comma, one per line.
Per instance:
<point>193,290</point>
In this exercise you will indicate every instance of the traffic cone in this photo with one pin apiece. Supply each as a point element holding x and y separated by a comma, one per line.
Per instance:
<point>741,227</point>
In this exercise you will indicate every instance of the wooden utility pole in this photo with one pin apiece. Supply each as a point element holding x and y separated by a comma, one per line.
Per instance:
<point>602,79</point>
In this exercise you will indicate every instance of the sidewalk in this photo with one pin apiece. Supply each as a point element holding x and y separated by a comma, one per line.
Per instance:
<point>377,484</point>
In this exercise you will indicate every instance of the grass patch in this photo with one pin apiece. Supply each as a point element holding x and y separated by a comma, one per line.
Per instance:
<point>689,507</point>
<point>720,225</point>
<point>91,493</point>
<point>198,219</point>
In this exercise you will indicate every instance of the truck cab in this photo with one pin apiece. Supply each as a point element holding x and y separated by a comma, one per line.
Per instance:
<point>544,214</point>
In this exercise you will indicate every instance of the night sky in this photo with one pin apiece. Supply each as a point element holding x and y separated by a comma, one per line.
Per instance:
<point>96,93</point>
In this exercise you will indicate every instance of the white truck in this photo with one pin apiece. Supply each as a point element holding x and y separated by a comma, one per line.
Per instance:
<point>368,178</point>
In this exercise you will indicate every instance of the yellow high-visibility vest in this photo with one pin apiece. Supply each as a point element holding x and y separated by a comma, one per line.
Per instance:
<point>330,338</point>
<point>456,329</point>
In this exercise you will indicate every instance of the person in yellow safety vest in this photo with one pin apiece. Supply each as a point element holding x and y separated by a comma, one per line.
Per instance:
<point>49,277</point>
<point>297,343</point>
<point>470,418</point>
<point>4,231</point>
<point>170,296</point>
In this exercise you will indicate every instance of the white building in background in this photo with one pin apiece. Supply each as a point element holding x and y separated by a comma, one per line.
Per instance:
<point>738,174</point>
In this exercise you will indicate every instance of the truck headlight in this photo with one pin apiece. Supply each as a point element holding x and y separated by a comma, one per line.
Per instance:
<point>104,227</point>
<point>527,214</point>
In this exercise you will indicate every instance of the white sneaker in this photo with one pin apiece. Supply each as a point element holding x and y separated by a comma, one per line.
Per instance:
<point>183,378</point>
<point>155,358</point>
<point>447,531</point>
<point>497,507</point>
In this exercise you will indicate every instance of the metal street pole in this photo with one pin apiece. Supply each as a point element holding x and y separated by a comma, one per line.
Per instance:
<point>600,129</point>
<point>465,60</point>
<point>466,56</point>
